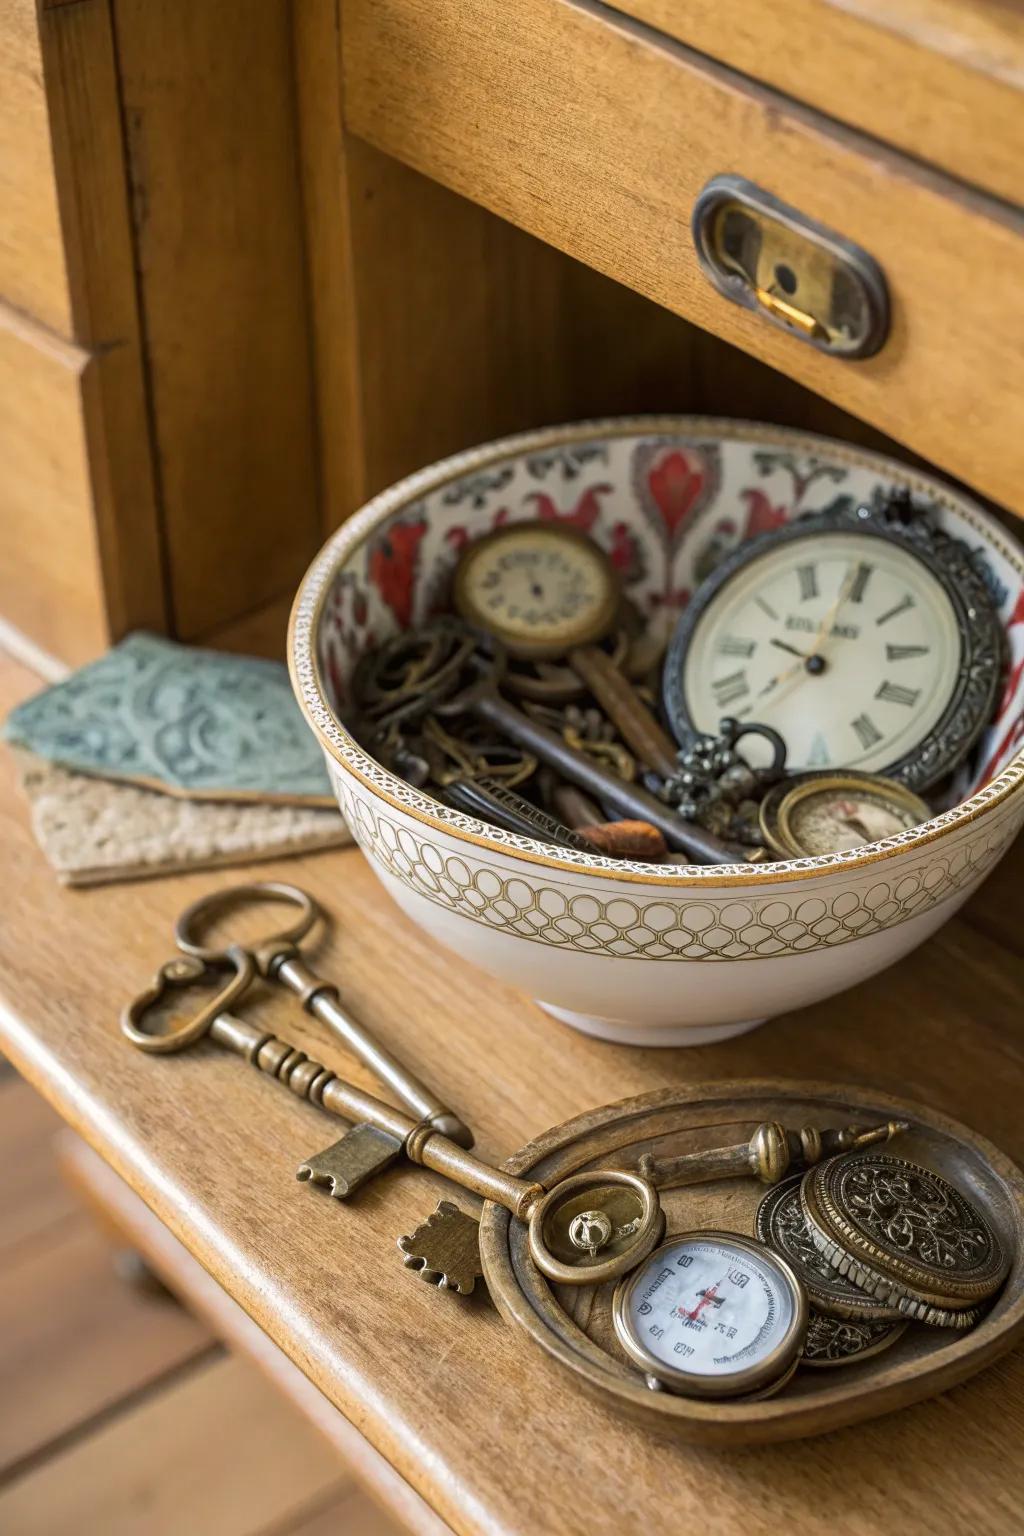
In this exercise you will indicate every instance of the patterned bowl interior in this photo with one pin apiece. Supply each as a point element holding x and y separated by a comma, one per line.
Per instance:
<point>666,498</point>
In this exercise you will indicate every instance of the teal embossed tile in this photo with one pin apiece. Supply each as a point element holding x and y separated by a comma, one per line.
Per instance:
<point>204,724</point>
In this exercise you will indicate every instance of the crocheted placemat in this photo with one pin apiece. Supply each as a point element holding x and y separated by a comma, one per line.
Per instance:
<point>94,831</point>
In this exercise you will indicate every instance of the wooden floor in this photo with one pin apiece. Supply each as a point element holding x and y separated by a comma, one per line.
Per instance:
<point>119,1414</point>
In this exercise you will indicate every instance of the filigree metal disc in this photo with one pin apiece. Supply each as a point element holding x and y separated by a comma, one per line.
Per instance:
<point>904,1234</point>
<point>834,1341</point>
<point>781,1225</point>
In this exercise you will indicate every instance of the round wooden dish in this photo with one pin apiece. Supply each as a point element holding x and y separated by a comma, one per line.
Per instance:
<point>574,1324</point>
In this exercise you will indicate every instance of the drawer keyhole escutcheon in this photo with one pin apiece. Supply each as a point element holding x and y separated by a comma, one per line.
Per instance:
<point>806,279</point>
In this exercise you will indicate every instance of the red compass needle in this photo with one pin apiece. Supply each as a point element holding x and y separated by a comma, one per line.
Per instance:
<point>708,1296</point>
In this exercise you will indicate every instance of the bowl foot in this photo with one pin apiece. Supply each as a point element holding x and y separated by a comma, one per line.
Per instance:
<point>622,1032</point>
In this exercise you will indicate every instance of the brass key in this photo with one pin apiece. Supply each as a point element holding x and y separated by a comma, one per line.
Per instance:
<point>444,1248</point>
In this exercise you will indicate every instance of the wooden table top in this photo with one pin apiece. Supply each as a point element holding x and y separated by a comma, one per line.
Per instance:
<point>496,1437</point>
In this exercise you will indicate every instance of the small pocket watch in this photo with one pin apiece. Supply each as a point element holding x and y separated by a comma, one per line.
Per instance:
<point>540,588</point>
<point>712,1314</point>
<point>866,636</point>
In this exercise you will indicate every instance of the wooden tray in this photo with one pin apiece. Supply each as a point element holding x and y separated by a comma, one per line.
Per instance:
<point>574,1324</point>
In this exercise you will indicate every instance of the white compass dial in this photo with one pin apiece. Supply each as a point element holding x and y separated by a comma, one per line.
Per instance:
<point>713,1313</point>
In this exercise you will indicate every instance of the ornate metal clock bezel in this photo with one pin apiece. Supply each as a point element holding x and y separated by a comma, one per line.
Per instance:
<point>982,642</point>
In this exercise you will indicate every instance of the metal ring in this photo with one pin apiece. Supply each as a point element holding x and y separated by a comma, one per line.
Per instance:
<point>236,895</point>
<point>645,1239</point>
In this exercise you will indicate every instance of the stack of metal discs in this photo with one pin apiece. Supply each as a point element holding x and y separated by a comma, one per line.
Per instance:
<point>877,1242</point>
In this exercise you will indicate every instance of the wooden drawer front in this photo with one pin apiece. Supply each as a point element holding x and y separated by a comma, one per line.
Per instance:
<point>598,135</point>
<point>49,569</point>
<point>32,271</point>
<point>941,79</point>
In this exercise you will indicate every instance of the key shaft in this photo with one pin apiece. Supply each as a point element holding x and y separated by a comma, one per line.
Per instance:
<point>422,1144</point>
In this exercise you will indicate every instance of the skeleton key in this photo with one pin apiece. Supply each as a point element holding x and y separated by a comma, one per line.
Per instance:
<point>278,959</point>
<point>470,687</point>
<point>617,1213</point>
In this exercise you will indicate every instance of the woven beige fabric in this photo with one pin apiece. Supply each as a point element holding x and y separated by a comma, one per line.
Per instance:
<point>93,831</point>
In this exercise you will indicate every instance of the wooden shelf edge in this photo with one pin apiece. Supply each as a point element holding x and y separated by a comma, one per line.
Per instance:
<point>123,1211</point>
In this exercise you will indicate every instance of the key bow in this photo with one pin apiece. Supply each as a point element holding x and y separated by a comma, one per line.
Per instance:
<point>177,974</point>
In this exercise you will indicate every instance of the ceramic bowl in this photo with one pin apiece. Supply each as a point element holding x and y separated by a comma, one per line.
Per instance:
<point>642,953</point>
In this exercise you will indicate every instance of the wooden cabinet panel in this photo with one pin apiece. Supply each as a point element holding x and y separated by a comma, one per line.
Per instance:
<point>598,135</point>
<point>32,270</point>
<point>940,79</point>
<point>208,99</point>
<point>50,586</point>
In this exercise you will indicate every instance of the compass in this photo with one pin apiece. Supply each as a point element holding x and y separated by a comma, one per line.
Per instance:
<point>833,811</point>
<point>712,1314</point>
<point>540,588</point>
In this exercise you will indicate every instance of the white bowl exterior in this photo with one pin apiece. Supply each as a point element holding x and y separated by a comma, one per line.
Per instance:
<point>651,964</point>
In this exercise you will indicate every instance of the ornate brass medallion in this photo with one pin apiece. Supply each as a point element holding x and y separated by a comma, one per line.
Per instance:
<point>905,1235</point>
<point>781,1225</point>
<point>835,1341</point>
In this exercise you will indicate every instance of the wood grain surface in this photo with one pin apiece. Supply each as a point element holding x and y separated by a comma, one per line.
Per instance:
<point>495,1436</point>
<point>160,1470</point>
<point>437,324</point>
<point>89,156</point>
<point>33,273</point>
<point>939,79</point>
<point>51,584</point>
<point>597,134</point>
<point>121,1209</point>
<point>209,118</point>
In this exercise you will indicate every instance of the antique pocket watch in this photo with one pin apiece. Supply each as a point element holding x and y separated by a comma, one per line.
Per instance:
<point>866,636</point>
<point>712,1314</point>
<point>539,588</point>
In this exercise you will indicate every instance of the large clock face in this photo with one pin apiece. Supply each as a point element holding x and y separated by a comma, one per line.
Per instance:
<point>844,642</point>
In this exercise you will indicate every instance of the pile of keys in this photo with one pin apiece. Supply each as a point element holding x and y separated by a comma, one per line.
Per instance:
<point>843,1258</point>
<point>532,707</point>
<point>523,711</point>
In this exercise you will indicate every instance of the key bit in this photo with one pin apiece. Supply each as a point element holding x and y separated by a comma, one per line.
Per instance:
<point>444,1250</point>
<point>346,1165</point>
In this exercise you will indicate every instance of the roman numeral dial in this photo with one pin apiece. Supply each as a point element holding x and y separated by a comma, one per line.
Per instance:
<point>866,731</point>
<point>905,652</point>
<point>807,576</point>
<point>845,642</point>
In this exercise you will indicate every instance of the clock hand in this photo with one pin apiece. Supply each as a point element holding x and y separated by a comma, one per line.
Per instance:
<point>811,661</point>
<point>784,645</point>
<point>826,624</point>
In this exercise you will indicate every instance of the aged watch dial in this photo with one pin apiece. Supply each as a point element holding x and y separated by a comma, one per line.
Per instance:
<point>712,1314</point>
<point>826,812</point>
<point>847,644</point>
<point>539,588</point>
